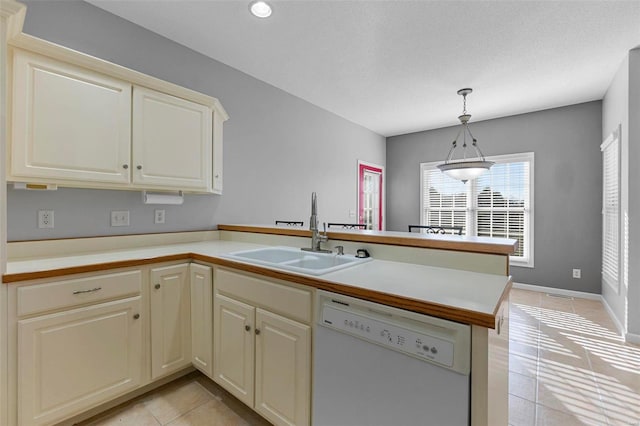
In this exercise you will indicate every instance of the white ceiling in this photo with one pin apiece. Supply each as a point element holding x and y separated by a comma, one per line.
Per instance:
<point>394,66</point>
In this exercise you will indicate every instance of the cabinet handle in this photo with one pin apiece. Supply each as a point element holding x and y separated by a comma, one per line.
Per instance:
<point>87,291</point>
<point>125,166</point>
<point>157,286</point>
<point>257,331</point>
<point>139,167</point>
<point>136,316</point>
<point>247,327</point>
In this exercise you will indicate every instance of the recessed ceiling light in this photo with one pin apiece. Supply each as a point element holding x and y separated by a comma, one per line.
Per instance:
<point>261,9</point>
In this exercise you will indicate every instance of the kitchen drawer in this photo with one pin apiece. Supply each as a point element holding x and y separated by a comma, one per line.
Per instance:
<point>289,301</point>
<point>61,294</point>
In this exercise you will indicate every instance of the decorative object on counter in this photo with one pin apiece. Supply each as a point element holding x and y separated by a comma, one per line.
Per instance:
<point>260,9</point>
<point>162,197</point>
<point>362,253</point>
<point>347,225</point>
<point>435,229</point>
<point>465,169</point>
<point>289,223</point>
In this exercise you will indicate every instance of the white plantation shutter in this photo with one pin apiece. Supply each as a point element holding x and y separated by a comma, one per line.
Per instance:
<point>497,204</point>
<point>610,210</point>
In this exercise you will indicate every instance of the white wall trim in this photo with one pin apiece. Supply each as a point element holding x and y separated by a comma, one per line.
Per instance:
<point>561,291</point>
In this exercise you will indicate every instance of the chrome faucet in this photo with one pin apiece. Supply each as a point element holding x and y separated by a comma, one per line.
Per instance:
<point>316,238</point>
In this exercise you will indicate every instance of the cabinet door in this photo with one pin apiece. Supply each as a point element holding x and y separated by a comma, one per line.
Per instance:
<point>72,360</point>
<point>171,141</point>
<point>283,369</point>
<point>69,123</point>
<point>201,318</point>
<point>233,357</point>
<point>217,153</point>
<point>170,320</point>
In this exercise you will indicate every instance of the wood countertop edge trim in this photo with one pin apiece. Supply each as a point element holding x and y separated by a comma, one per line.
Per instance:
<point>428,308</point>
<point>94,267</point>
<point>467,246</point>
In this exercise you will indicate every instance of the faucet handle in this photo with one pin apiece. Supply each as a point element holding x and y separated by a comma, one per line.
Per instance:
<point>340,250</point>
<point>324,227</point>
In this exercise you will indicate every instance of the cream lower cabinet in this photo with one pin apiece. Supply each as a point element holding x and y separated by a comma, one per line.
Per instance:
<point>201,318</point>
<point>261,357</point>
<point>170,319</point>
<point>69,356</point>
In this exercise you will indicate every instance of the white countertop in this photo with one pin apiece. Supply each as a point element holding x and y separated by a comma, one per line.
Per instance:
<point>454,289</point>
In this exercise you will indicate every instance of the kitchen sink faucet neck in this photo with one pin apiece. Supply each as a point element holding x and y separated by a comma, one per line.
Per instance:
<point>316,237</point>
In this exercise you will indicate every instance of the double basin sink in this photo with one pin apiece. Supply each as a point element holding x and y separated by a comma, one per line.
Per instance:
<point>296,260</point>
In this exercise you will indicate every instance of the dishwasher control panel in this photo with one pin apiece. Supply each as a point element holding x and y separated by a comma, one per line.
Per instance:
<point>431,339</point>
<point>375,327</point>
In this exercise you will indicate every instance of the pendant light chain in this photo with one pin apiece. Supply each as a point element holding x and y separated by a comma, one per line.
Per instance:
<point>465,169</point>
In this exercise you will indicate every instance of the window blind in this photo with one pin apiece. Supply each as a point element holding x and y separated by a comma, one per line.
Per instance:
<point>502,196</point>
<point>610,211</point>
<point>444,200</point>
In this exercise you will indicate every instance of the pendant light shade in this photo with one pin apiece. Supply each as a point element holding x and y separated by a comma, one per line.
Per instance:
<point>465,169</point>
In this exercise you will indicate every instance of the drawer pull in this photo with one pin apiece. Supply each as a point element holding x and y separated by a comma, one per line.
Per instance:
<point>247,327</point>
<point>257,331</point>
<point>91,290</point>
<point>157,286</point>
<point>136,316</point>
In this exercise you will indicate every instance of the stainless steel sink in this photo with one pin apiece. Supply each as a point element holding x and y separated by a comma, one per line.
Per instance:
<point>296,260</point>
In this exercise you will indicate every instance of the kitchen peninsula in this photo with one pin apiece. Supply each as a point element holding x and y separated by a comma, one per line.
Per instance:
<point>455,278</point>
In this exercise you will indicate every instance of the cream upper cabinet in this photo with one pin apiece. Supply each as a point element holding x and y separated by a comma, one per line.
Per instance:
<point>171,141</point>
<point>217,153</point>
<point>201,318</point>
<point>69,123</point>
<point>83,122</point>
<point>170,319</point>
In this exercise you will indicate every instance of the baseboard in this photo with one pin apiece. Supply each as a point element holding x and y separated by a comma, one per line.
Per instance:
<point>614,318</point>
<point>632,338</point>
<point>629,337</point>
<point>560,291</point>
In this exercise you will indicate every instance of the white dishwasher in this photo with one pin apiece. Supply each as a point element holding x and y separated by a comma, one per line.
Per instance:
<point>376,365</point>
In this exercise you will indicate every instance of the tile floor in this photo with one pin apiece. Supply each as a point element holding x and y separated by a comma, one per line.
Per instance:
<point>567,367</point>
<point>567,364</point>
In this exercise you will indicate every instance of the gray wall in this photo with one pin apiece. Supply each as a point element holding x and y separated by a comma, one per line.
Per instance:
<point>277,148</point>
<point>568,185</point>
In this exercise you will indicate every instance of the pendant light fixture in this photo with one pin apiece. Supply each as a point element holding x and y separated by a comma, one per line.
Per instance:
<point>465,169</point>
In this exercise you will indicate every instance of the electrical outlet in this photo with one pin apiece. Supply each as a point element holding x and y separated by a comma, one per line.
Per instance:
<point>158,216</point>
<point>577,273</point>
<point>45,219</point>
<point>120,218</point>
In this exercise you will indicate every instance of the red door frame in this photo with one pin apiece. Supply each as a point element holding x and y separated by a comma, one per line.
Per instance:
<point>361,169</point>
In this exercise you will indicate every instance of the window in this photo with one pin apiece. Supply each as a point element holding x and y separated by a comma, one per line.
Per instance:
<point>497,204</point>
<point>611,210</point>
